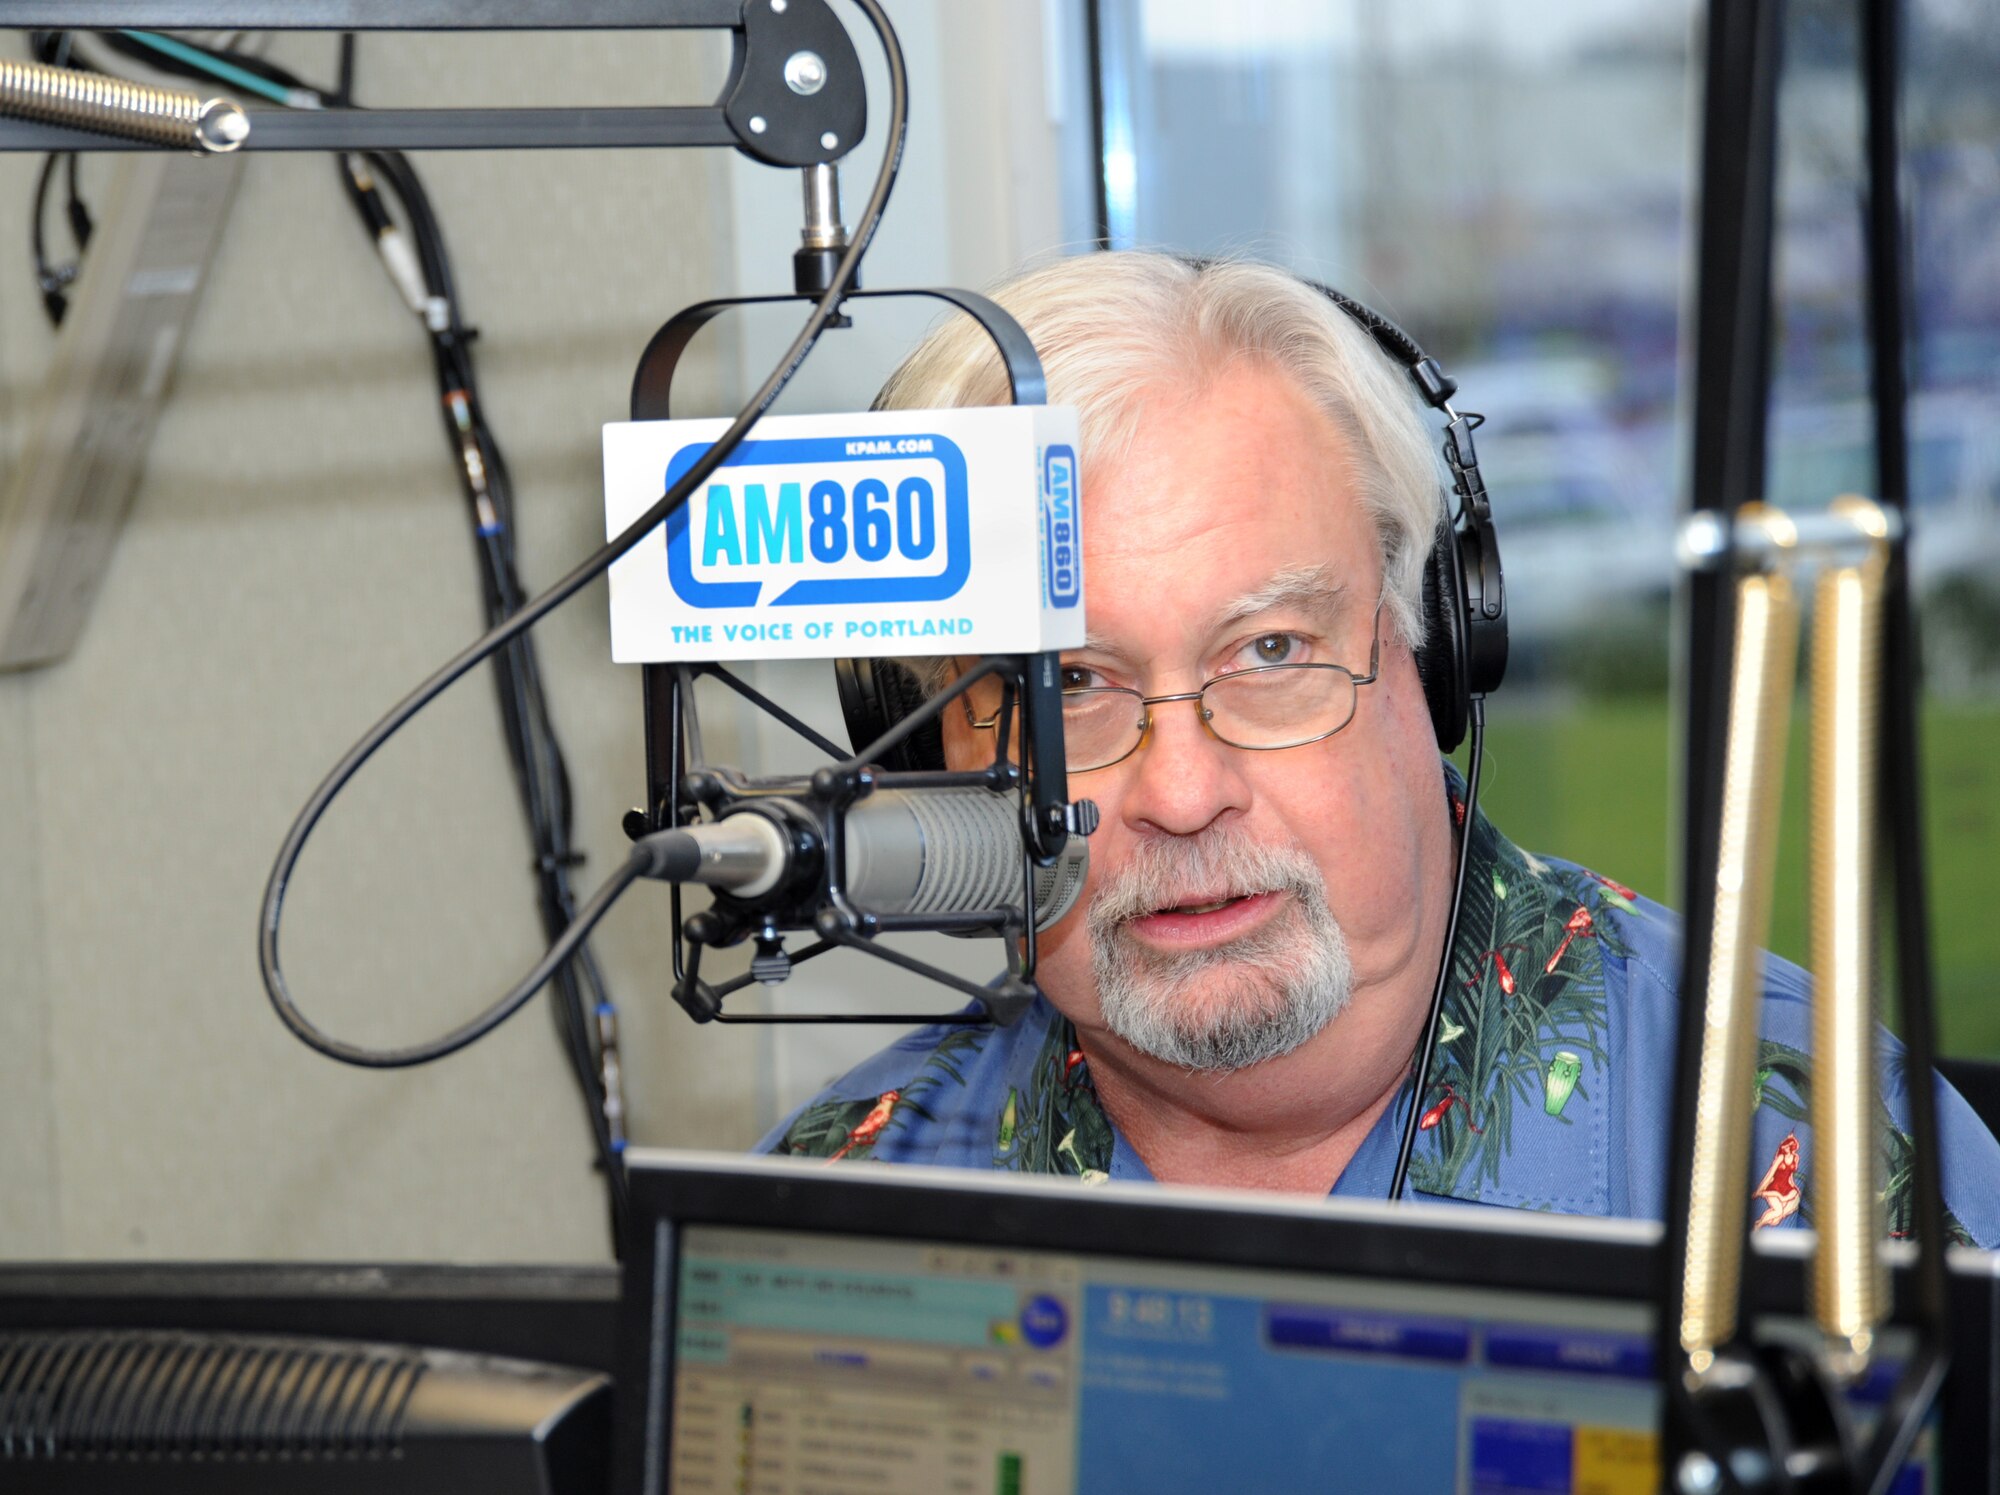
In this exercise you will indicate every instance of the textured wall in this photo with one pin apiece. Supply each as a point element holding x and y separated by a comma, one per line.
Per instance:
<point>296,559</point>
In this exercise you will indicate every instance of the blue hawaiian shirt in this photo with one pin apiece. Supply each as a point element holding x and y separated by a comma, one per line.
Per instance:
<point>1551,1087</point>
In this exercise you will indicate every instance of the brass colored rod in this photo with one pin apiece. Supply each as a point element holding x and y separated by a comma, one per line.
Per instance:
<point>1766,656</point>
<point>1850,1285</point>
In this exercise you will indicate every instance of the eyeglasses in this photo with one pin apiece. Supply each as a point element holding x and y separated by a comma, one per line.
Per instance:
<point>1261,709</point>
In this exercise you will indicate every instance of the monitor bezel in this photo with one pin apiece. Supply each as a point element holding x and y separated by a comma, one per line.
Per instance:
<point>1443,1245</point>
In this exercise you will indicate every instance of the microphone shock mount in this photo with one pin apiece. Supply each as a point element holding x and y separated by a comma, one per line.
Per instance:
<point>815,892</point>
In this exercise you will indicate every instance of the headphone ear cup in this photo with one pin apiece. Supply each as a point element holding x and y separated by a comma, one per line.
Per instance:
<point>1440,659</point>
<point>875,694</point>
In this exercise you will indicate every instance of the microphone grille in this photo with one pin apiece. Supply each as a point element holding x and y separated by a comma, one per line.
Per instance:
<point>932,851</point>
<point>1058,886</point>
<point>972,851</point>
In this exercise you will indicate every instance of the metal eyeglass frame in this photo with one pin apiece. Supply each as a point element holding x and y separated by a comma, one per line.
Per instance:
<point>1207,715</point>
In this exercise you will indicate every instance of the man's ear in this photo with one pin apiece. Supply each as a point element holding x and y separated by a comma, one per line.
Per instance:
<point>876,694</point>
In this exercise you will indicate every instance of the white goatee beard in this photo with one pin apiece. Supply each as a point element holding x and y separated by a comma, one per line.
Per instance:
<point>1228,1006</point>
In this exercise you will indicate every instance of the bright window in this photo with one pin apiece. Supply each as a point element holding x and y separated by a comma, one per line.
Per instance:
<point>1509,180</point>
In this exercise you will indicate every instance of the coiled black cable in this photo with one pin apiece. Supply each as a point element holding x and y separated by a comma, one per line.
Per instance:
<point>531,612</point>
<point>540,773</point>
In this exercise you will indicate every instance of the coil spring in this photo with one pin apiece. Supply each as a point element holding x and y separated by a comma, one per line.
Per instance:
<point>111,106</point>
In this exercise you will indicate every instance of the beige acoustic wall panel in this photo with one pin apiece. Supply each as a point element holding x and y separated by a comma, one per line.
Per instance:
<point>295,558</point>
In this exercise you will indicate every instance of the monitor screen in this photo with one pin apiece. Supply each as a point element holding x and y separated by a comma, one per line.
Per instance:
<point>791,1357</point>
<point>806,1361</point>
<point>893,1365</point>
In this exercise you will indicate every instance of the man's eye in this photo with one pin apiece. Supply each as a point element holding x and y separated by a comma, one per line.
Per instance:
<point>1274,648</point>
<point>1076,677</point>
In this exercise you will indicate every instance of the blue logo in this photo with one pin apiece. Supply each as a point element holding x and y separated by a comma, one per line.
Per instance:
<point>1044,1321</point>
<point>783,517</point>
<point>1062,540</point>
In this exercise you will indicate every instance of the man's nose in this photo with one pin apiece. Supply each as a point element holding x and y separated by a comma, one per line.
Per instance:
<point>1183,777</point>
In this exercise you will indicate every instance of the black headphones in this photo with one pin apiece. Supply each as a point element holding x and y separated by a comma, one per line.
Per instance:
<point>1464,600</point>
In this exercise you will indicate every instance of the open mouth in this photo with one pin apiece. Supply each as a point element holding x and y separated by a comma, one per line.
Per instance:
<point>1214,905</point>
<point>1198,918</point>
<point>1223,908</point>
<point>1219,917</point>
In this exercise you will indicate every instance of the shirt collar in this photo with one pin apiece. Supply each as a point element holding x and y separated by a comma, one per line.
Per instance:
<point>1518,1105</point>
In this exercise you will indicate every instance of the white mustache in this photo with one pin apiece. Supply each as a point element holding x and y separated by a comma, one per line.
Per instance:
<point>1208,867</point>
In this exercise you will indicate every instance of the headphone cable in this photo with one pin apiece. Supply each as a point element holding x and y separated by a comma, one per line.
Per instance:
<point>1427,1048</point>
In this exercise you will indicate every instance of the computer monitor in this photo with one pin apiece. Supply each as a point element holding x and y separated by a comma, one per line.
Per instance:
<point>790,1327</point>
<point>143,1379</point>
<point>562,1314</point>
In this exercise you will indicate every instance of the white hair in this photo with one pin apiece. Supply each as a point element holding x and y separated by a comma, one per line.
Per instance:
<point>1116,329</point>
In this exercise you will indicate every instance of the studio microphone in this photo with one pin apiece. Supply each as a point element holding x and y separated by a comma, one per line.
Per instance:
<point>906,851</point>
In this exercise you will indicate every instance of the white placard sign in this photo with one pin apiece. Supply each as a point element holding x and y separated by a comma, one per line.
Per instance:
<point>886,533</point>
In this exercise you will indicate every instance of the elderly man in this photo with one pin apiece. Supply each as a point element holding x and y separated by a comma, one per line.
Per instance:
<point>1239,999</point>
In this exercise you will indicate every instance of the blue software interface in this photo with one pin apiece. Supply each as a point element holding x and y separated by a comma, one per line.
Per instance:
<point>810,1363</point>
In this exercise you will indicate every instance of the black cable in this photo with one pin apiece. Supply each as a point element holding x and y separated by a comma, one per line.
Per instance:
<point>584,1015</point>
<point>80,224</point>
<point>538,976</point>
<point>50,280</point>
<point>533,611</point>
<point>55,49</point>
<point>343,88</point>
<point>1427,1048</point>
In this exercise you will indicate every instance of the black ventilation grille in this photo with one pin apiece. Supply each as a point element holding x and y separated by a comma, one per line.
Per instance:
<point>117,1394</point>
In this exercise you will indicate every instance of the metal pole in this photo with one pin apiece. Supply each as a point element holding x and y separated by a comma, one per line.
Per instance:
<point>1900,797</point>
<point>1731,375</point>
